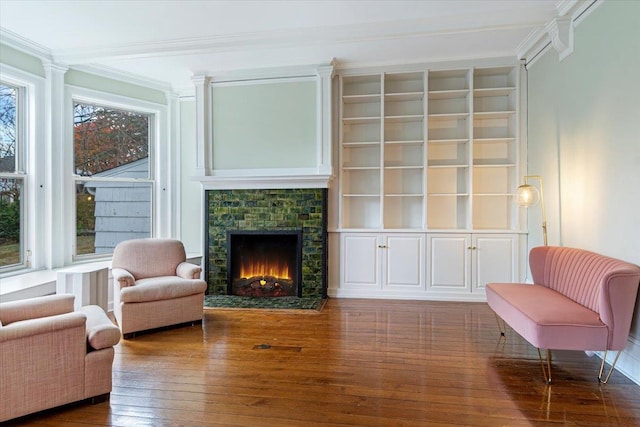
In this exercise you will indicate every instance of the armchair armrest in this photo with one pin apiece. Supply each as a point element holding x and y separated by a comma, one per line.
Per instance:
<point>123,277</point>
<point>101,332</point>
<point>186,270</point>
<point>34,308</point>
<point>42,325</point>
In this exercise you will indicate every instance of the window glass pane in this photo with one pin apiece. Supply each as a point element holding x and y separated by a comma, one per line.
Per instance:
<point>8,128</point>
<point>110,145</point>
<point>105,139</point>
<point>108,212</point>
<point>10,221</point>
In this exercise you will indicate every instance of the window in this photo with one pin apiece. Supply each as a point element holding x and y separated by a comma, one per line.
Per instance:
<point>12,177</point>
<point>112,175</point>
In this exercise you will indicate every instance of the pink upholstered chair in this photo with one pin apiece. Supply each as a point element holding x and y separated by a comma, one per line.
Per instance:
<point>154,286</point>
<point>51,355</point>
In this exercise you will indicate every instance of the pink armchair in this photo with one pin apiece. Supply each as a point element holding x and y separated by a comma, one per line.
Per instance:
<point>51,355</point>
<point>154,286</point>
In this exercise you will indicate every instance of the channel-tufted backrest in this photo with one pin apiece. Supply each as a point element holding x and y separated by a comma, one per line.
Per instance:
<point>605,285</point>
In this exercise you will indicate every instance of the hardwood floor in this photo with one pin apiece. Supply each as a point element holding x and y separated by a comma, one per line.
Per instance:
<point>356,363</point>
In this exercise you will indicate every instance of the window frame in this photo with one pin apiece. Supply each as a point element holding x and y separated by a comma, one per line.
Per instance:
<point>29,118</point>
<point>156,113</point>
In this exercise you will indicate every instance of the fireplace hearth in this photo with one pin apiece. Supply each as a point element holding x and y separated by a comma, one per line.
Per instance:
<point>264,263</point>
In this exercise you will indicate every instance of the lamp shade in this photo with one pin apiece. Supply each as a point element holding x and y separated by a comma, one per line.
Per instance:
<point>527,195</point>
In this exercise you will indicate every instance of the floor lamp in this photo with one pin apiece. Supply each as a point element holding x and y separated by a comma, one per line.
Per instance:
<point>528,195</point>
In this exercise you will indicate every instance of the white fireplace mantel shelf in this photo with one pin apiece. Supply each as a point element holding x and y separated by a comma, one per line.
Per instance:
<point>263,181</point>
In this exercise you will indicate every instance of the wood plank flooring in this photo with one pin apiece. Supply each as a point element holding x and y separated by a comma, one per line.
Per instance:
<point>355,363</point>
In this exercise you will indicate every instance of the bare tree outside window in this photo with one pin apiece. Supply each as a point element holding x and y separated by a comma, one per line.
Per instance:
<point>111,147</point>
<point>10,182</point>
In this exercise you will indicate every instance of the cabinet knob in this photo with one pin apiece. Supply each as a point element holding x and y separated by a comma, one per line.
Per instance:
<point>382,246</point>
<point>472,248</point>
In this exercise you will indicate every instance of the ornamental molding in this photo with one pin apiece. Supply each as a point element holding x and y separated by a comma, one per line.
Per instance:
<point>558,32</point>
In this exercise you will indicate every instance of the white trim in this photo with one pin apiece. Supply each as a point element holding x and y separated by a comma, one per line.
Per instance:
<point>258,179</point>
<point>160,156</point>
<point>24,45</point>
<point>339,34</point>
<point>558,31</point>
<point>32,131</point>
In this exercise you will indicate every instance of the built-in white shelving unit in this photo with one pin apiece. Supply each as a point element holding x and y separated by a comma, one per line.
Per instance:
<point>428,162</point>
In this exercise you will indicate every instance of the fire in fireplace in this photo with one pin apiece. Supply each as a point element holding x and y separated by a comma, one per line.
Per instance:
<point>264,263</point>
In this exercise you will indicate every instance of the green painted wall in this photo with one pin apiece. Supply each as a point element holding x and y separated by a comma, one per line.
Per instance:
<point>104,84</point>
<point>20,60</point>
<point>260,126</point>
<point>584,139</point>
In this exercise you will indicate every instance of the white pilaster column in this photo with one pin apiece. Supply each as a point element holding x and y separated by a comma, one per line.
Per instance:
<point>58,186</point>
<point>204,141</point>
<point>170,182</point>
<point>324,132</point>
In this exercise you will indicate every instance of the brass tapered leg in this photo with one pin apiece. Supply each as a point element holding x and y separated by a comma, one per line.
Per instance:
<point>546,370</point>
<point>613,365</point>
<point>501,325</point>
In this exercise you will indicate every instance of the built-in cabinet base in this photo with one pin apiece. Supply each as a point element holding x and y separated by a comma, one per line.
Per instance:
<point>429,266</point>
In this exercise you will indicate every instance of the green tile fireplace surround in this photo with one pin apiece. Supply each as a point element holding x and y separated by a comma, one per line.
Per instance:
<point>268,210</point>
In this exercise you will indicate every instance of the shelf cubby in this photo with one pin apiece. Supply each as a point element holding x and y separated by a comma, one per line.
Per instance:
<point>361,212</point>
<point>403,211</point>
<point>360,155</point>
<point>357,86</point>
<point>448,80</point>
<point>447,212</point>
<point>403,181</point>
<point>492,212</point>
<point>404,83</point>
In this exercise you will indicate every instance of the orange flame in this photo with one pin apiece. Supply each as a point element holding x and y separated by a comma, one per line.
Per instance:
<point>264,267</point>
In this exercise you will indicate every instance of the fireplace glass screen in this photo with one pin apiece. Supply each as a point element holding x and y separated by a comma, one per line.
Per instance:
<point>264,263</point>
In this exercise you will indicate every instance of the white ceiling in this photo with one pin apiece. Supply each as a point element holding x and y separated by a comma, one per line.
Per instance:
<point>169,40</point>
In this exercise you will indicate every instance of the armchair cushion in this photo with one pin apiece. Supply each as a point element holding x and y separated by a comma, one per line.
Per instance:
<point>161,288</point>
<point>101,332</point>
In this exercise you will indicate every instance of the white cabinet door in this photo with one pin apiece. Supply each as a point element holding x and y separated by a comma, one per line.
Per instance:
<point>449,262</point>
<point>374,265</point>
<point>495,259</point>
<point>403,262</point>
<point>360,261</point>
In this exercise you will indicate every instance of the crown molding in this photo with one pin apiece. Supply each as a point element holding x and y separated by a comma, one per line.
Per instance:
<point>558,32</point>
<point>285,38</point>
<point>24,45</point>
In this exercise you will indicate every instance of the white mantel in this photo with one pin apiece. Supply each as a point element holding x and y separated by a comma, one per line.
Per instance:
<point>264,180</point>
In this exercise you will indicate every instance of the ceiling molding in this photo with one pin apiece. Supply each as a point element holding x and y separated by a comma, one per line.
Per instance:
<point>558,31</point>
<point>279,39</point>
<point>22,44</point>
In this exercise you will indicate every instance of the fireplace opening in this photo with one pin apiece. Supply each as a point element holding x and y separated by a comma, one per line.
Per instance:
<point>264,263</point>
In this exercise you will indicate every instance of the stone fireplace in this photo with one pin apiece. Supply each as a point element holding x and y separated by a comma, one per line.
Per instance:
<point>246,213</point>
